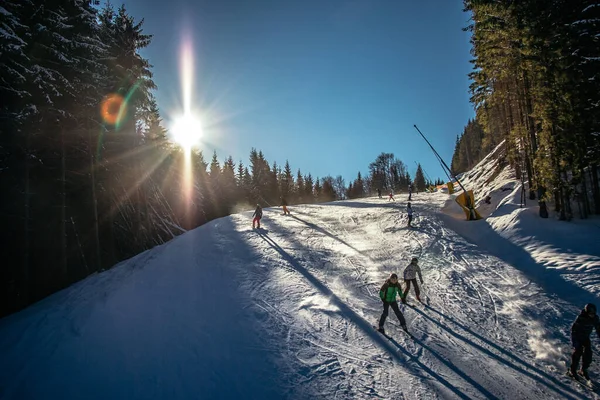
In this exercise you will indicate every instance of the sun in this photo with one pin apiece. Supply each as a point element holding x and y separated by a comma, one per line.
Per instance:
<point>187,131</point>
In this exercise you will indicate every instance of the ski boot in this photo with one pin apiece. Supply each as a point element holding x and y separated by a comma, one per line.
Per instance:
<point>584,374</point>
<point>380,329</point>
<point>572,374</point>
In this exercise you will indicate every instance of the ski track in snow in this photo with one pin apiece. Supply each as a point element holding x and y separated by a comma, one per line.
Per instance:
<point>308,286</point>
<point>471,342</point>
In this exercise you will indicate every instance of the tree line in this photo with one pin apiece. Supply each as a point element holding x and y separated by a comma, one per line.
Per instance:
<point>536,87</point>
<point>88,174</point>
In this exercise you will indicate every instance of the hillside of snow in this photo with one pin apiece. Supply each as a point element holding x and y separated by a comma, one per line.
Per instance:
<point>287,312</point>
<point>567,252</point>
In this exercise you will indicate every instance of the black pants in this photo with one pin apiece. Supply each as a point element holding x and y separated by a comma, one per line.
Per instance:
<point>386,307</point>
<point>581,347</point>
<point>409,219</point>
<point>417,290</point>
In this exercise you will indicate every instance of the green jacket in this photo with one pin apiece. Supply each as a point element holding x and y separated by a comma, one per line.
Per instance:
<point>389,291</point>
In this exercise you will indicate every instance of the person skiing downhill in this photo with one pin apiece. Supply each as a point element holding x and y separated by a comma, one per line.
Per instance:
<point>410,275</point>
<point>409,211</point>
<point>391,197</point>
<point>257,216</point>
<point>581,329</point>
<point>388,293</point>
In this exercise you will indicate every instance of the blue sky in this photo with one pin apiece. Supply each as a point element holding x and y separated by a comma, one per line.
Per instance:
<point>327,85</point>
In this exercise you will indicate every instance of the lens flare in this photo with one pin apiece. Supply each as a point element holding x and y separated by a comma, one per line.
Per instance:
<point>113,108</point>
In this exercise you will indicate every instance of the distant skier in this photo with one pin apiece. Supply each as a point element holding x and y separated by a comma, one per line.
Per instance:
<point>284,206</point>
<point>581,329</point>
<point>409,192</point>
<point>379,193</point>
<point>410,276</point>
<point>391,197</point>
<point>257,216</point>
<point>409,212</point>
<point>388,293</point>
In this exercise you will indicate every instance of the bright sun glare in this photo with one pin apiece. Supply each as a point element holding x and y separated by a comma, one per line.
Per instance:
<point>187,131</point>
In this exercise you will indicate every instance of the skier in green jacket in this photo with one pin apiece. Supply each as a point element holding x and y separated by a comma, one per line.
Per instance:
<point>388,293</point>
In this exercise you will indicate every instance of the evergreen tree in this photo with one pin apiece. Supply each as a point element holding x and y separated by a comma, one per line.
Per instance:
<point>308,189</point>
<point>299,190</point>
<point>356,189</point>
<point>420,180</point>
<point>228,185</point>
<point>273,184</point>
<point>328,192</point>
<point>318,190</point>
<point>287,183</point>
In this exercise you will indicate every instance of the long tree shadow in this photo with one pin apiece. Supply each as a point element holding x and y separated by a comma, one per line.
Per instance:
<point>367,328</point>
<point>456,370</point>
<point>435,375</point>
<point>557,388</point>
<point>480,233</point>
<point>327,233</point>
<point>383,205</point>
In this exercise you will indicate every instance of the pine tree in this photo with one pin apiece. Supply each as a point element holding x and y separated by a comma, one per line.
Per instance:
<point>420,180</point>
<point>308,189</point>
<point>318,190</point>
<point>228,185</point>
<point>299,190</point>
<point>287,184</point>
<point>328,192</point>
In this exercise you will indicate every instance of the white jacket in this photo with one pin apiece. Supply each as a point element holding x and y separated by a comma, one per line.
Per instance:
<point>412,271</point>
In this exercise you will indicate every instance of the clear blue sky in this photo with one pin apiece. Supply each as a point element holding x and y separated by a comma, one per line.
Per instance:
<point>325,84</point>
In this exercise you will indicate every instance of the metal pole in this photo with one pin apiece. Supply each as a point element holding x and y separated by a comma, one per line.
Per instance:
<point>441,160</point>
<point>467,198</point>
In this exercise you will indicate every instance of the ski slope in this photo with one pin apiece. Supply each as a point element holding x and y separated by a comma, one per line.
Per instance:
<point>287,312</point>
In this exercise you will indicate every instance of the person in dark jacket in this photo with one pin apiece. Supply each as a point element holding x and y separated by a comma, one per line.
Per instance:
<point>388,293</point>
<point>257,216</point>
<point>584,324</point>
<point>284,206</point>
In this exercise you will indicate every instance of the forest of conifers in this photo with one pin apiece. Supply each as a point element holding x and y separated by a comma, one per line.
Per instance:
<point>536,86</point>
<point>88,175</point>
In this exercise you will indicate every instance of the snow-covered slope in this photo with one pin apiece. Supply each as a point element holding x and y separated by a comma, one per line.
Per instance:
<point>225,312</point>
<point>565,256</point>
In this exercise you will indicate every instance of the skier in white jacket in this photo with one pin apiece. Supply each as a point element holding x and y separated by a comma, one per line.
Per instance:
<point>409,212</point>
<point>410,275</point>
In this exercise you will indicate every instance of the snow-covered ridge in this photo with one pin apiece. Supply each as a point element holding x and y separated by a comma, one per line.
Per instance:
<point>569,250</point>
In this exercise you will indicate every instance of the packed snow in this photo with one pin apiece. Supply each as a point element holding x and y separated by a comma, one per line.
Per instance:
<point>288,311</point>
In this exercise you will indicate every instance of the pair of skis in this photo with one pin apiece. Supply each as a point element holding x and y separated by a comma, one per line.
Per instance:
<point>583,381</point>
<point>388,336</point>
